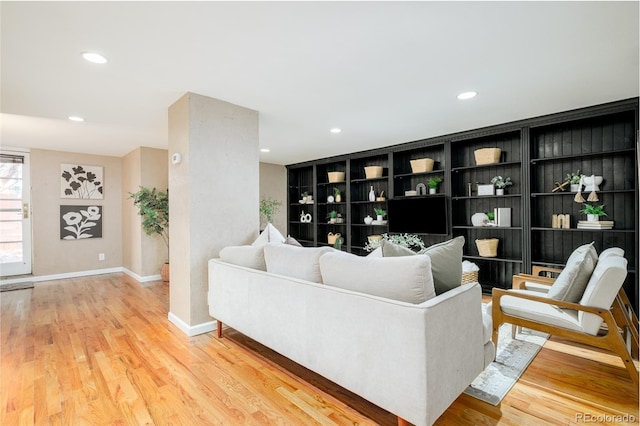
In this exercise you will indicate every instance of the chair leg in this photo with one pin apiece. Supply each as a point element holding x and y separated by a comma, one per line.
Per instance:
<point>618,346</point>
<point>624,320</point>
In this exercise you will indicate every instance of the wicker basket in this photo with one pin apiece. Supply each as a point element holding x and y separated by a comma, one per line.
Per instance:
<point>421,165</point>
<point>373,172</point>
<point>487,247</point>
<point>487,155</point>
<point>469,277</point>
<point>331,237</point>
<point>335,177</point>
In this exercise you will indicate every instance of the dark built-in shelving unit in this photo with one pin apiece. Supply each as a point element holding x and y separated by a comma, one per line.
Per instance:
<point>536,153</point>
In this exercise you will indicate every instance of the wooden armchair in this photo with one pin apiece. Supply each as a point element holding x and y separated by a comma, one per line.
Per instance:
<point>604,304</point>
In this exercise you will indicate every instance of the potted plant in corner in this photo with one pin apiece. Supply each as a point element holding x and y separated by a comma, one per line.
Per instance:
<point>433,183</point>
<point>153,206</point>
<point>268,208</point>
<point>501,184</point>
<point>593,212</point>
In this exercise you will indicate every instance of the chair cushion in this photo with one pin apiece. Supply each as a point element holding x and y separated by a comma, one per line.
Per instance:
<point>570,284</point>
<point>539,311</point>
<point>407,279</point>
<point>295,262</point>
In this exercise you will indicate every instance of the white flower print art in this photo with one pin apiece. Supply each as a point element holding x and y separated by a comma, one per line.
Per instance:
<point>81,182</point>
<point>80,222</point>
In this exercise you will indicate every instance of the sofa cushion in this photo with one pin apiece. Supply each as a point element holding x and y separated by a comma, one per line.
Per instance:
<point>292,241</point>
<point>248,256</point>
<point>295,262</point>
<point>570,284</point>
<point>446,261</point>
<point>269,235</point>
<point>407,279</point>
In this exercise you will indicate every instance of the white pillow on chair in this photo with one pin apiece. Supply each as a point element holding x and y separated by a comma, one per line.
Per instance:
<point>570,284</point>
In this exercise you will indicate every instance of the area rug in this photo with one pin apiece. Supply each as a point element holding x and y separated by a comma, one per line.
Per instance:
<point>513,357</point>
<point>15,286</point>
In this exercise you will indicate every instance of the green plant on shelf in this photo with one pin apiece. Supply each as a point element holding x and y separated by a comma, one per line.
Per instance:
<point>500,182</point>
<point>332,214</point>
<point>336,191</point>
<point>410,241</point>
<point>434,182</point>
<point>379,211</point>
<point>573,178</point>
<point>593,209</point>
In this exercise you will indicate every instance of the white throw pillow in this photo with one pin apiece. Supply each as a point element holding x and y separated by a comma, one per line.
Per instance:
<point>407,278</point>
<point>248,256</point>
<point>295,262</point>
<point>269,235</point>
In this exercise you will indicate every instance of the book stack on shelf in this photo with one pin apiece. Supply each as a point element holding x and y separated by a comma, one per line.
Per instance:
<point>599,224</point>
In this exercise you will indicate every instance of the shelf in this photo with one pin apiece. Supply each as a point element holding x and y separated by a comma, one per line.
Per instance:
<point>369,180</point>
<point>482,166</point>
<point>558,193</point>
<point>368,202</point>
<point>341,203</point>
<point>330,183</point>
<point>585,155</point>
<point>489,228</point>
<point>404,197</point>
<point>302,204</point>
<point>332,224</point>
<point>492,259</point>
<point>364,225</point>
<point>404,175</point>
<point>475,197</point>
<point>297,222</point>
<point>538,228</point>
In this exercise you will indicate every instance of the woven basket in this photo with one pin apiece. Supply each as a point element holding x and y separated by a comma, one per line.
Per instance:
<point>331,237</point>
<point>469,277</point>
<point>335,177</point>
<point>421,165</point>
<point>373,172</point>
<point>487,247</point>
<point>487,155</point>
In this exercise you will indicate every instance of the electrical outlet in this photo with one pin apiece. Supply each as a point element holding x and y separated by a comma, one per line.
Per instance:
<point>101,256</point>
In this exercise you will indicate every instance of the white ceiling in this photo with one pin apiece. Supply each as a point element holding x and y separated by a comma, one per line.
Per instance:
<point>384,72</point>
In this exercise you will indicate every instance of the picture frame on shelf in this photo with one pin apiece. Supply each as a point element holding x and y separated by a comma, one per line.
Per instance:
<point>485,189</point>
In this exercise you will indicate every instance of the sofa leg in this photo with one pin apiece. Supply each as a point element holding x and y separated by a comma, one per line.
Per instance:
<point>219,329</point>
<point>403,422</point>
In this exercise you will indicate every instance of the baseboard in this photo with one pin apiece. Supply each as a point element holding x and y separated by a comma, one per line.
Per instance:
<point>192,330</point>
<point>140,278</point>
<point>38,278</point>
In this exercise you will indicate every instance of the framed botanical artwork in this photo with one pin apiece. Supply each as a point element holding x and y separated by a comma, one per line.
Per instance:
<point>80,222</point>
<point>84,182</point>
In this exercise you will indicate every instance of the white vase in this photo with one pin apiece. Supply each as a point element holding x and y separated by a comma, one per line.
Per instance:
<point>575,187</point>
<point>372,195</point>
<point>368,220</point>
<point>379,218</point>
<point>432,190</point>
<point>499,191</point>
<point>593,218</point>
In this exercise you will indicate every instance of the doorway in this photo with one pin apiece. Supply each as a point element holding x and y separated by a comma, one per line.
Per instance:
<point>15,214</point>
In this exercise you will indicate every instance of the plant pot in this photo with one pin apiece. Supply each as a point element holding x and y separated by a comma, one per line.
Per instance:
<point>593,218</point>
<point>432,190</point>
<point>575,187</point>
<point>379,218</point>
<point>338,198</point>
<point>499,191</point>
<point>164,272</point>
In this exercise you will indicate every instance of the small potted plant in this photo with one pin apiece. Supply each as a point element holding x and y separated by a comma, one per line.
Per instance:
<point>574,181</point>
<point>501,183</point>
<point>433,183</point>
<point>337,195</point>
<point>332,216</point>
<point>593,212</point>
<point>380,213</point>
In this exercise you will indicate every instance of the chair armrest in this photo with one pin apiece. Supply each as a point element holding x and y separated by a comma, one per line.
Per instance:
<point>605,314</point>
<point>537,270</point>
<point>518,281</point>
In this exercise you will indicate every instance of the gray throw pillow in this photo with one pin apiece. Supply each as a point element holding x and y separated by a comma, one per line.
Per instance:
<point>446,261</point>
<point>570,284</point>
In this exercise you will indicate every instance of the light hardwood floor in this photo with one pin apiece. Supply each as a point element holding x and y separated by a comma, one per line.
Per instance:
<point>100,350</point>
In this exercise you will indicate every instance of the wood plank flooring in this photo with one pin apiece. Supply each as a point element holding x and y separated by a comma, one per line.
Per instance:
<point>100,351</point>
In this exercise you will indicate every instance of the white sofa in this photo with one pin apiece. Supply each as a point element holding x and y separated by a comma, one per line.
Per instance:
<point>411,359</point>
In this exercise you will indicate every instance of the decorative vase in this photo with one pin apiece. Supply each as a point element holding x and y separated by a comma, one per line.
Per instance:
<point>368,220</point>
<point>164,272</point>
<point>372,195</point>
<point>379,218</point>
<point>575,187</point>
<point>338,198</point>
<point>592,183</point>
<point>593,218</point>
<point>432,190</point>
<point>499,191</point>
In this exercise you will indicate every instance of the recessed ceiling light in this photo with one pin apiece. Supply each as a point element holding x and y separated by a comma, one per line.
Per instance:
<point>265,150</point>
<point>467,95</point>
<point>75,118</point>
<point>335,130</point>
<point>96,58</point>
